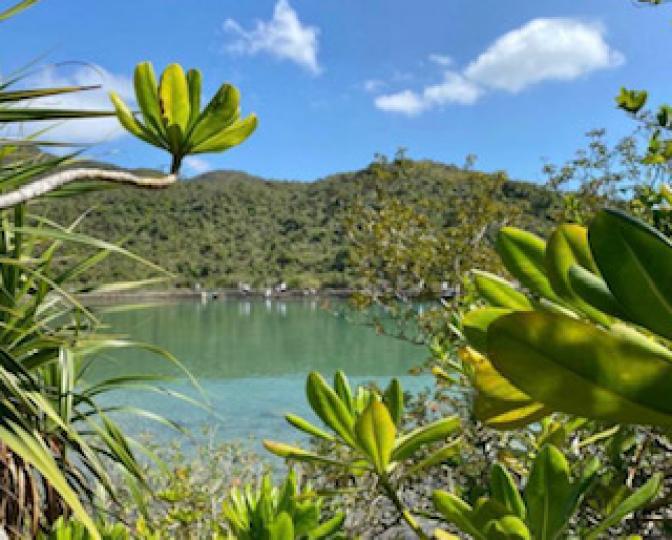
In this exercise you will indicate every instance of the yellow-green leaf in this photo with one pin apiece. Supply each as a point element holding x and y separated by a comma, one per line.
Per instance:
<point>523,254</point>
<point>614,376</point>
<point>229,137</point>
<point>376,434</point>
<point>174,97</point>
<point>499,292</point>
<point>433,432</point>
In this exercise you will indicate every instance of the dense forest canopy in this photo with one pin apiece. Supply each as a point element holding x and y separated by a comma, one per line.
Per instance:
<point>226,227</point>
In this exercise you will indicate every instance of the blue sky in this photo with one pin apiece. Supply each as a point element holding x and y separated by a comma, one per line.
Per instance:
<point>335,81</point>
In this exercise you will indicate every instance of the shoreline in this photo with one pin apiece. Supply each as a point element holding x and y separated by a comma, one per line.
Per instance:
<point>214,294</point>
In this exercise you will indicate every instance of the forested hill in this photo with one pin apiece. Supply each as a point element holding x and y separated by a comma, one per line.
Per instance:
<point>224,227</point>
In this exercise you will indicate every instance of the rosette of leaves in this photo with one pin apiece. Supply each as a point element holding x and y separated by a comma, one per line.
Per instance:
<point>171,117</point>
<point>287,512</point>
<point>367,425</point>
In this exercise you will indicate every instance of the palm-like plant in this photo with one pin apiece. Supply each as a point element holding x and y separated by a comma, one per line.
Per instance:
<point>56,443</point>
<point>172,118</point>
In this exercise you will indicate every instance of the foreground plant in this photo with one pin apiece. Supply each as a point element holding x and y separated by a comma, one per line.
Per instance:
<point>365,425</point>
<point>545,508</point>
<point>286,512</point>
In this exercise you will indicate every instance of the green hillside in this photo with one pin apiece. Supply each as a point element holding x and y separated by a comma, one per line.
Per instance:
<point>224,227</point>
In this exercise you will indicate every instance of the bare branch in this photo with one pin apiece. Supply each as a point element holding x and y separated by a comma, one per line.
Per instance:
<point>53,181</point>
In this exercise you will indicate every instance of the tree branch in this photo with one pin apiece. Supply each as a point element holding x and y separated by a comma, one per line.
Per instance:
<point>53,181</point>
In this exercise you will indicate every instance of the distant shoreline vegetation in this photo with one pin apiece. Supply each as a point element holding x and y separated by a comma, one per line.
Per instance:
<point>225,227</point>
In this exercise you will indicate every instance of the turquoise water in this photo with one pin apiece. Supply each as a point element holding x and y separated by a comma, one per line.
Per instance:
<point>250,359</point>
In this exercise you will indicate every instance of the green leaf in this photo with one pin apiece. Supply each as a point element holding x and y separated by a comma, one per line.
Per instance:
<point>503,489</point>
<point>547,490</point>
<point>222,111</point>
<point>307,427</point>
<point>327,528</point>
<point>617,376</point>
<point>593,290</point>
<point>635,260</point>
<point>194,83</point>
<point>523,254</point>
<point>631,101</point>
<point>394,400</point>
<point>457,512</point>
<point>288,451</point>
<point>342,389</point>
<point>375,434</point>
<point>227,138</point>
<point>568,246</point>
<point>147,95</point>
<point>476,322</point>
<point>499,292</point>
<point>174,97</point>
<point>634,502</point>
<point>330,408</point>
<point>128,121</point>
<point>436,431</point>
<point>498,403</point>
<point>442,455</point>
<point>282,528</point>
<point>507,528</point>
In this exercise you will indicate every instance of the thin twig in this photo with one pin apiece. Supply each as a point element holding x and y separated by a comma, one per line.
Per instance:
<point>54,181</point>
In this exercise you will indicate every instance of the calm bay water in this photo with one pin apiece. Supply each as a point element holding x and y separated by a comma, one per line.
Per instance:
<point>251,359</point>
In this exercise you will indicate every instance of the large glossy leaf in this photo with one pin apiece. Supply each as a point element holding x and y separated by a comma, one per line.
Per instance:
<point>330,408</point>
<point>593,290</point>
<point>636,262</point>
<point>523,254</point>
<point>566,247</point>
<point>476,322</point>
<point>547,490</point>
<point>499,292</point>
<point>498,403</point>
<point>574,367</point>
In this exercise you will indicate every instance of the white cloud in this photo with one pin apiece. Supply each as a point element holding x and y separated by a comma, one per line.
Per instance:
<point>87,130</point>
<point>406,102</point>
<point>197,165</point>
<point>541,50</point>
<point>454,89</point>
<point>283,37</point>
<point>440,59</point>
